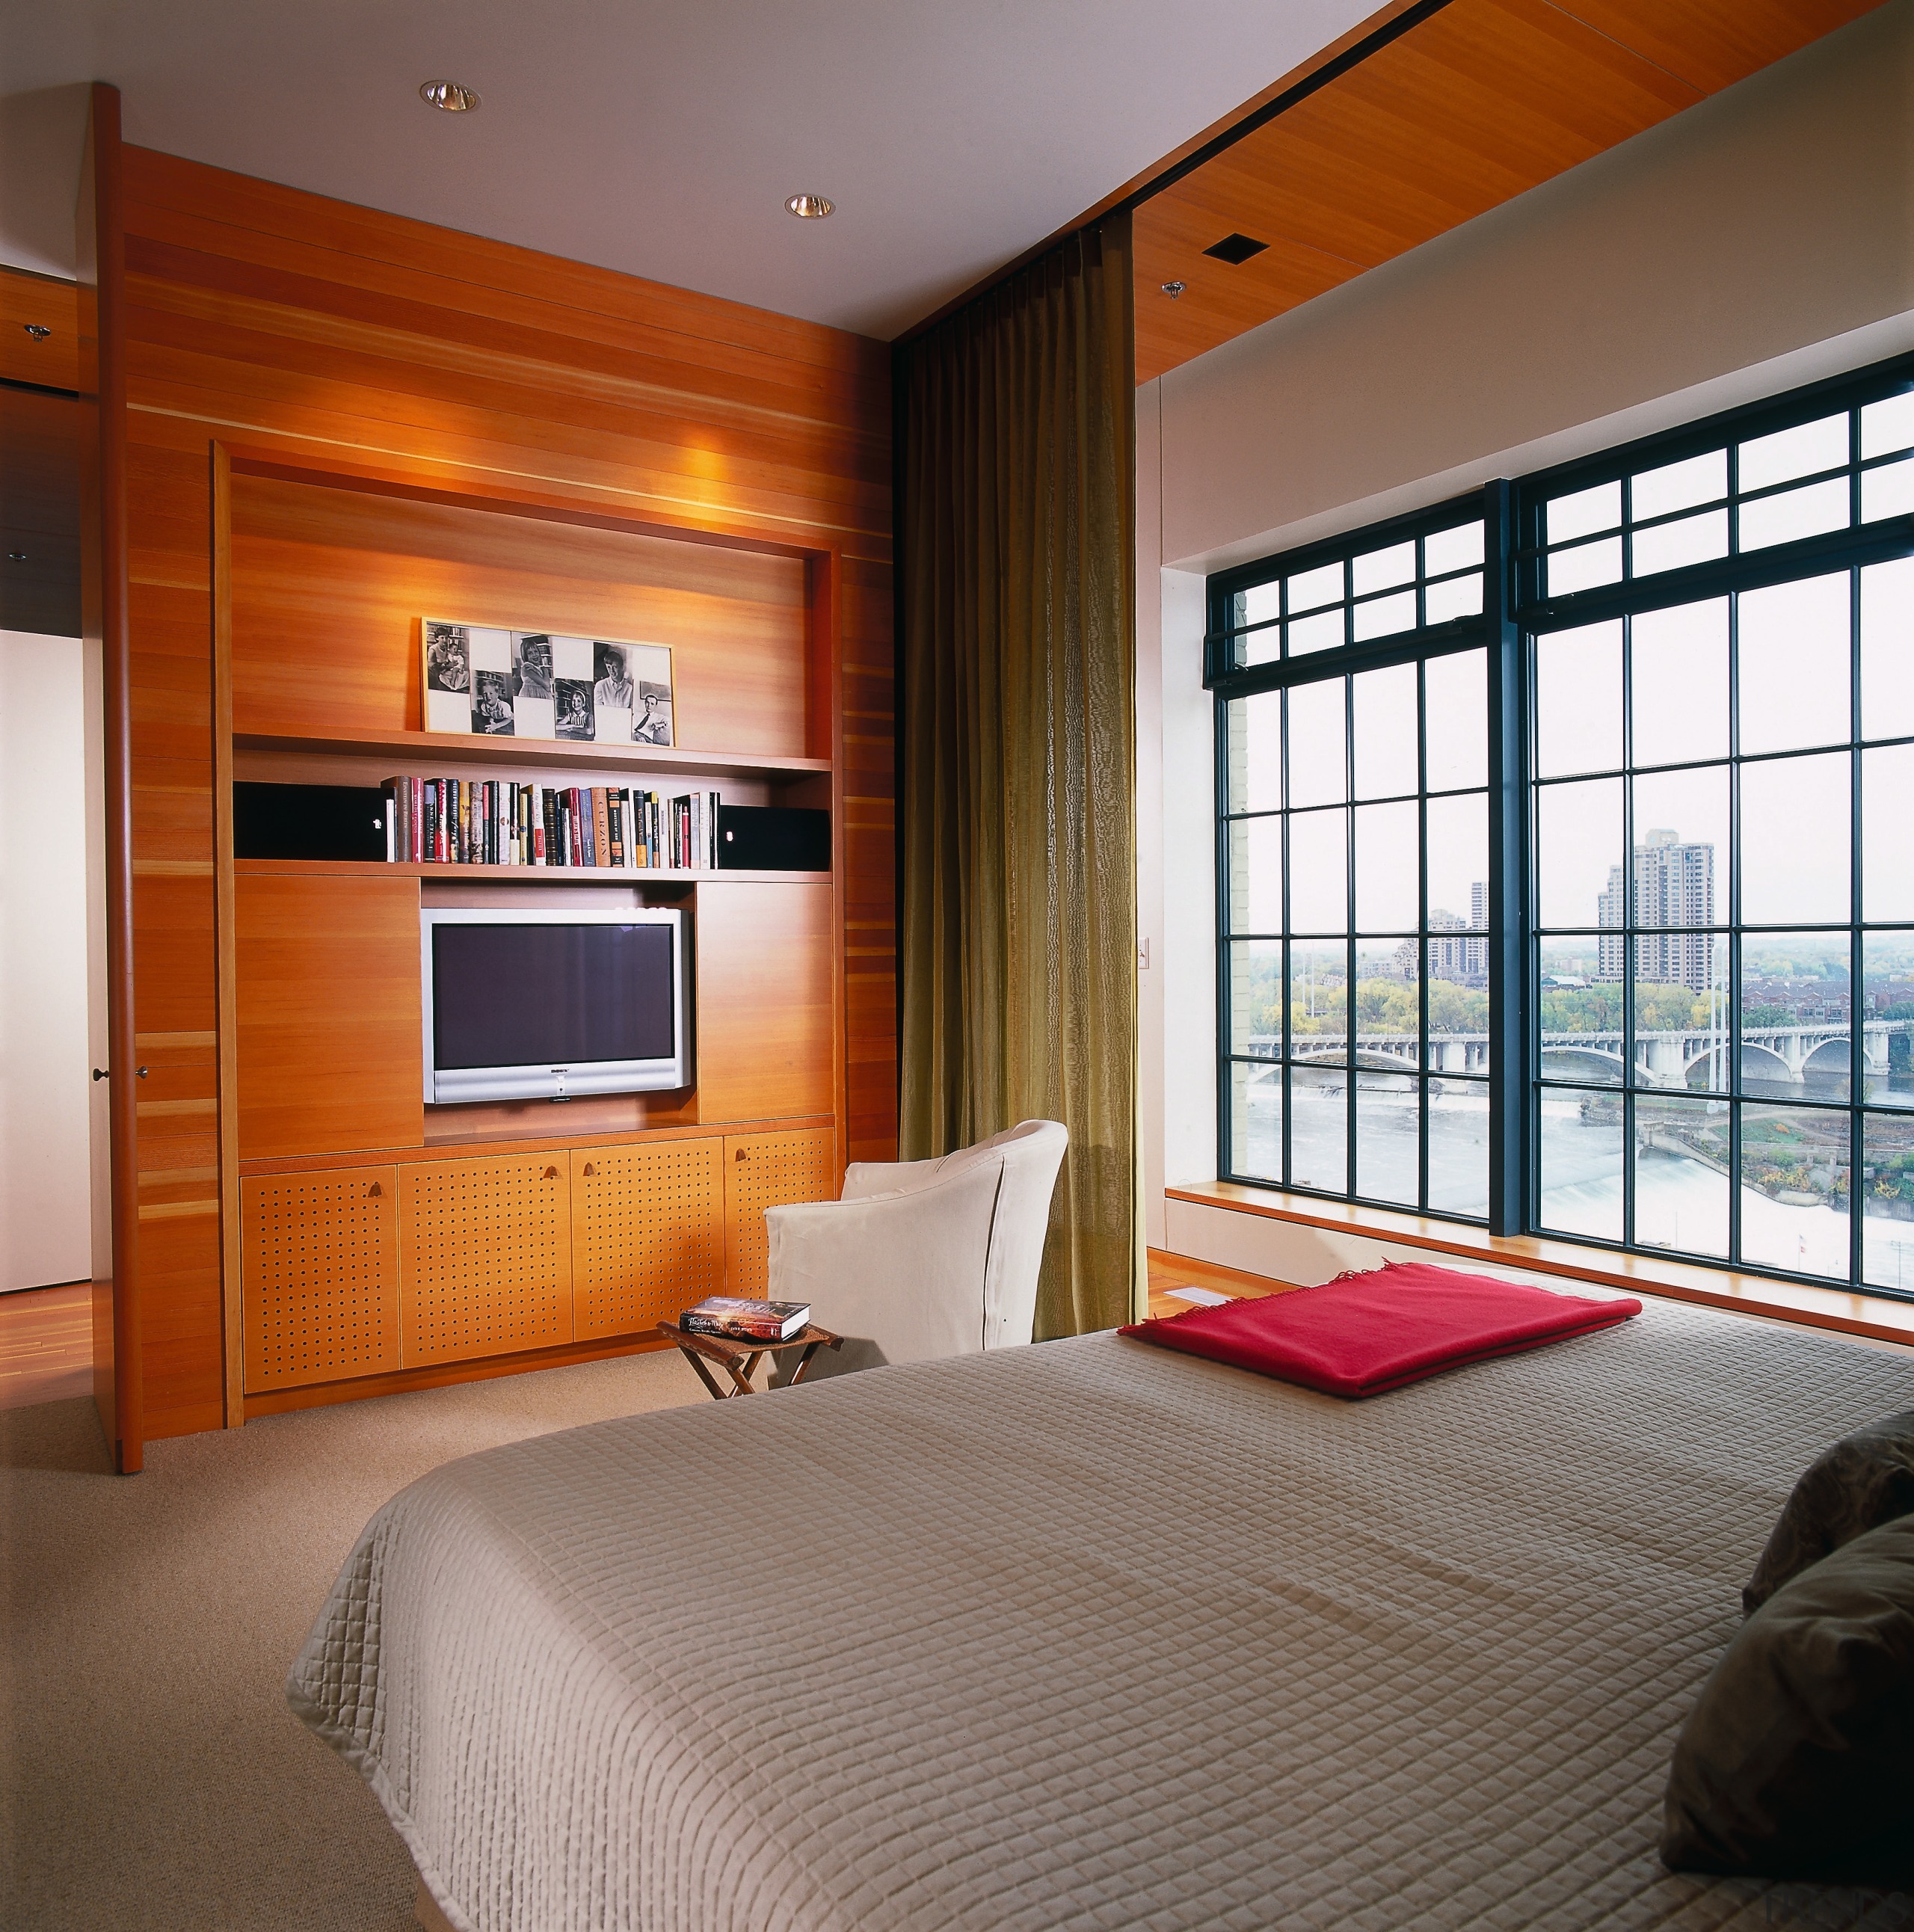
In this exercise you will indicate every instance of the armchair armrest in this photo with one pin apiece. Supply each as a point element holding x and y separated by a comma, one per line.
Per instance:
<point>903,1273</point>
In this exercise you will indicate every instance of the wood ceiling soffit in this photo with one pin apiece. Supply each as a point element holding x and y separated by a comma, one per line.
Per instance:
<point>1473,106</point>
<point>51,362</point>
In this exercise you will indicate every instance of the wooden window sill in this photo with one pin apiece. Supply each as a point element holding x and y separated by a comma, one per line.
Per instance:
<point>1876,1317</point>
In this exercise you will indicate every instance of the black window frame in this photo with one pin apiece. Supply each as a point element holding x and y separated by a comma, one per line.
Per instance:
<point>1517,609</point>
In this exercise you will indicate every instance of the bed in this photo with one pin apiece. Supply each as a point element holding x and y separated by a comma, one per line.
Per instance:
<point>1089,1635</point>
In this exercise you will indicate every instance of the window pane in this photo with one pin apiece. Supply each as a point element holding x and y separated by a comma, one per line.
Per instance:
<point>1585,566</point>
<point>1888,491</point>
<point>1578,701</point>
<point>1456,704</point>
<point>1318,753</point>
<point>1581,1034</point>
<point>1459,863</point>
<point>1384,617</point>
<point>1795,1164</point>
<point>1888,424</point>
<point>1261,604</point>
<point>1383,569</point>
<point>1319,1128</point>
<point>1458,1008</point>
<point>1794,664</point>
<point>1458,1147</point>
<point>1454,549</point>
<point>1682,1013</point>
<point>1887,1007</point>
<point>1255,995</point>
<point>1388,1136</point>
<point>1887,1225</point>
<point>1324,631</point>
<point>1681,1157</point>
<point>1796,840</point>
<point>1671,546</point>
<point>1385,732</point>
<point>1887,649</point>
<point>1255,1120</point>
<point>1794,1014</point>
<point>1318,872</point>
<point>1458,597</point>
<point>1584,512</point>
<point>1388,885</point>
<point>1799,451</point>
<point>1256,647</point>
<point>1679,486</point>
<point>1678,663</point>
<point>1318,1000</point>
<point>1255,874</point>
<point>1680,867</point>
<point>1578,854</point>
<point>1581,1178</point>
<point>1887,822</point>
<point>1795,513</point>
<point>1310,589</point>
<point>1254,752</point>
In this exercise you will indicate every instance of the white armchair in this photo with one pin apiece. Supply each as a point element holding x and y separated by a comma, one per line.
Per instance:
<point>924,1258</point>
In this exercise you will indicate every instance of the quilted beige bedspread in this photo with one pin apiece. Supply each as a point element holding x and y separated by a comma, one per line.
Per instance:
<point>1089,1636</point>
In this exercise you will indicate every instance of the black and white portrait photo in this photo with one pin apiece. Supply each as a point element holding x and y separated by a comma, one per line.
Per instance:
<point>448,658</point>
<point>491,704</point>
<point>575,718</point>
<point>531,664</point>
<point>613,690</point>
<point>651,722</point>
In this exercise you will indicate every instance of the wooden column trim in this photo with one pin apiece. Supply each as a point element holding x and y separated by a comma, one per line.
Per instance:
<point>824,739</point>
<point>225,916</point>
<point>106,231</point>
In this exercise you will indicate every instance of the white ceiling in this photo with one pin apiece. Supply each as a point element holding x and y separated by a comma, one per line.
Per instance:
<point>661,138</point>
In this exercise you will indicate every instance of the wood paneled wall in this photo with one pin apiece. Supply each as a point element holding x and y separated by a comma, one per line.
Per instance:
<point>288,335</point>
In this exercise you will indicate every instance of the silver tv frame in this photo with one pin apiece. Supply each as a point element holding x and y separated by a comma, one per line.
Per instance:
<point>450,1086</point>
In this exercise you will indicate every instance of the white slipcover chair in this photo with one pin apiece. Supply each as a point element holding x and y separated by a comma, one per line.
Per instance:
<point>920,1259</point>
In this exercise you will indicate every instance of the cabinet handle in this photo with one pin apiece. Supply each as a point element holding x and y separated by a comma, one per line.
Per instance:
<point>740,1154</point>
<point>590,1170</point>
<point>551,1174</point>
<point>375,1192</point>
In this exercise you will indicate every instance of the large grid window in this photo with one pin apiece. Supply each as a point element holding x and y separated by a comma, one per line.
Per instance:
<point>1723,903</point>
<point>1672,688</point>
<point>1354,863</point>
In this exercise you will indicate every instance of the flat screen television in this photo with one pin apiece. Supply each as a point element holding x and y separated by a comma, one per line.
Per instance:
<point>530,1006</point>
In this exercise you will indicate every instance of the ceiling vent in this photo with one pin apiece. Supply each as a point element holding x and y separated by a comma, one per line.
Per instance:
<point>1236,249</point>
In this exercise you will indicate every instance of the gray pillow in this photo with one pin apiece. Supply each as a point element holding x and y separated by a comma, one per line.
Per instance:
<point>1866,1479</point>
<point>1798,1761</point>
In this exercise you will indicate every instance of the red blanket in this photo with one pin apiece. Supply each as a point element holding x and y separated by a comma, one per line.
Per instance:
<point>1362,1333</point>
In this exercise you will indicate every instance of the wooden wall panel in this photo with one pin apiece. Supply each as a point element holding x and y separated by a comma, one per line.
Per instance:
<point>302,336</point>
<point>31,301</point>
<point>763,990</point>
<point>331,1057</point>
<point>348,576</point>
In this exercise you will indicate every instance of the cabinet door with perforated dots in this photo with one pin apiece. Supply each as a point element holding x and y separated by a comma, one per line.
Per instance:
<point>764,1171</point>
<point>647,1233</point>
<point>319,1261</point>
<point>487,1256</point>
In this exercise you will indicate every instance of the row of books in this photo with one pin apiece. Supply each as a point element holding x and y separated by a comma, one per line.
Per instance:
<point>500,822</point>
<point>739,1319</point>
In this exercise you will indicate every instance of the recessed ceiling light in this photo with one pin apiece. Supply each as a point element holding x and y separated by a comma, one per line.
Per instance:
<point>809,207</point>
<point>449,95</point>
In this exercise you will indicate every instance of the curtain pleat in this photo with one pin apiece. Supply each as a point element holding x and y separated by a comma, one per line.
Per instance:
<point>1017,740</point>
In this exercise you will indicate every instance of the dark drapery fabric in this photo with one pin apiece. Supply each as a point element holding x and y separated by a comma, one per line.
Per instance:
<point>1017,735</point>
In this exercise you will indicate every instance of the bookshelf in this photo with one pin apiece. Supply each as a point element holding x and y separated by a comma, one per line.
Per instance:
<point>525,875</point>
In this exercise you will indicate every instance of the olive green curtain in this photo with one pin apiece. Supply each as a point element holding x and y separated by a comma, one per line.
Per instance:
<point>1017,601</point>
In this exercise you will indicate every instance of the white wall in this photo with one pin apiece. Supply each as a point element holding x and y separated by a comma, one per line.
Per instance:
<point>46,1158</point>
<point>1758,241</point>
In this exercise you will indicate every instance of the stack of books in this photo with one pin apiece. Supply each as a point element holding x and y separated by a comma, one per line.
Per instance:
<point>499,822</point>
<point>737,1319</point>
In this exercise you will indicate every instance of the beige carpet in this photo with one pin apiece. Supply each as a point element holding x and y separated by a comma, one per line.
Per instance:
<point>151,1779</point>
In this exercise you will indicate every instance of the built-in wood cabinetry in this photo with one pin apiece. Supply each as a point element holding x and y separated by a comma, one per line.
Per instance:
<point>352,1272</point>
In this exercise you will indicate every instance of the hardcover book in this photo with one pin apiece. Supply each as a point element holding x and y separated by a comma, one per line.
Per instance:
<point>743,1320</point>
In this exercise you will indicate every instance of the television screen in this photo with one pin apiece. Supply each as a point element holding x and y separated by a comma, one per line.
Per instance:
<point>593,1003</point>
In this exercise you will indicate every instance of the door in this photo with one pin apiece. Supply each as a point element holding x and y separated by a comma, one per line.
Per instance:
<point>764,1171</point>
<point>647,1233</point>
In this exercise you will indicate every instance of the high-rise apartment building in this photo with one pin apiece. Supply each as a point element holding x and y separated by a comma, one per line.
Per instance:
<point>1458,948</point>
<point>1674,886</point>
